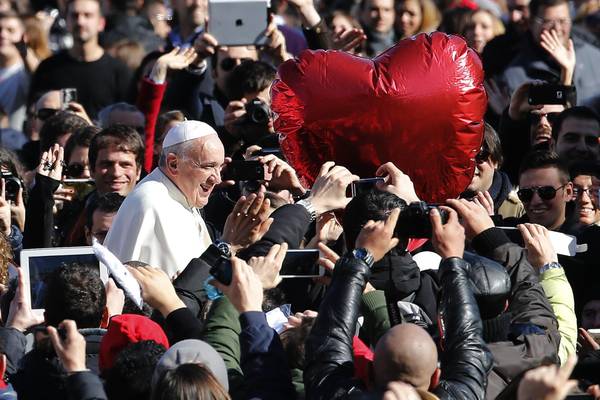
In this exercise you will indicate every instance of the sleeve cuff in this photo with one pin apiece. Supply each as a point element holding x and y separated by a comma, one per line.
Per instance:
<point>374,299</point>
<point>253,318</point>
<point>489,240</point>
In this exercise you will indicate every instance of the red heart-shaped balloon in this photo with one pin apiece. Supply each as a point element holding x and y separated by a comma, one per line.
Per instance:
<point>420,105</point>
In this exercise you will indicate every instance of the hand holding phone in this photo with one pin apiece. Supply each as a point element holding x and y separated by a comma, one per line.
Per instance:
<point>245,291</point>
<point>301,263</point>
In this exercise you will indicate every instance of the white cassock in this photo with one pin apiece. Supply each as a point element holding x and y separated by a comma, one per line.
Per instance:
<point>156,225</point>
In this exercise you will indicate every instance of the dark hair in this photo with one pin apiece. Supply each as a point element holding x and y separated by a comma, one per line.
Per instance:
<point>491,143</point>
<point>536,5</point>
<point>545,159</point>
<point>164,119</point>
<point>373,205</point>
<point>69,2</point>
<point>293,341</point>
<point>189,382</point>
<point>124,138</point>
<point>249,77</point>
<point>75,291</point>
<point>579,112</point>
<point>130,377</point>
<point>455,20</point>
<point>82,137</point>
<point>61,123</point>
<point>108,203</point>
<point>584,168</point>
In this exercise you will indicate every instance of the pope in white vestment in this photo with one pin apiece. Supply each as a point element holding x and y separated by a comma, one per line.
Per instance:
<point>156,223</point>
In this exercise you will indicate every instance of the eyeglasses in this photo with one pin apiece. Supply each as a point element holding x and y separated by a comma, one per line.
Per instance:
<point>552,23</point>
<point>44,113</point>
<point>545,193</point>
<point>592,192</point>
<point>482,156</point>
<point>535,118</point>
<point>227,64</point>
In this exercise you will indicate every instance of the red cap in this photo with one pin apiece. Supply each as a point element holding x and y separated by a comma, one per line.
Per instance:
<point>125,329</point>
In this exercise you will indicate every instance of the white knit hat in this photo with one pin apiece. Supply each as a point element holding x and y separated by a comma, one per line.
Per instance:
<point>187,130</point>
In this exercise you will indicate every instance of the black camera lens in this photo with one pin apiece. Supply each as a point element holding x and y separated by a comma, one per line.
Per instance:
<point>258,112</point>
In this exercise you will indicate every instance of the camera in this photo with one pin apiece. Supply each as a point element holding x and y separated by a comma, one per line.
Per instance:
<point>257,112</point>
<point>413,221</point>
<point>12,184</point>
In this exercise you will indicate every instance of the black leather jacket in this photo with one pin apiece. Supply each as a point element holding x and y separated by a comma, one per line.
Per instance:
<point>329,371</point>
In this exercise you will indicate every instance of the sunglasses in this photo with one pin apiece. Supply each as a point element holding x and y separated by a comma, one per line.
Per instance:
<point>44,113</point>
<point>227,64</point>
<point>535,118</point>
<point>545,193</point>
<point>592,192</point>
<point>74,170</point>
<point>482,156</point>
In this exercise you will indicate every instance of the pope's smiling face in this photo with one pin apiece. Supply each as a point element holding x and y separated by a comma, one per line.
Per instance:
<point>199,170</point>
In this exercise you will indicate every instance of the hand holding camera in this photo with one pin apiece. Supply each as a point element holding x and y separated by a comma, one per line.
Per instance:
<point>245,291</point>
<point>396,182</point>
<point>329,190</point>
<point>474,216</point>
<point>235,112</point>
<point>71,349</point>
<point>449,238</point>
<point>537,242</point>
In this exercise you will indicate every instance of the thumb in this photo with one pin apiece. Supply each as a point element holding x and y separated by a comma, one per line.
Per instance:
<point>53,334</point>
<point>436,220</point>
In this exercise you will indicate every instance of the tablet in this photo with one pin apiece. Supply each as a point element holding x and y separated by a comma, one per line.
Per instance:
<point>238,22</point>
<point>37,264</point>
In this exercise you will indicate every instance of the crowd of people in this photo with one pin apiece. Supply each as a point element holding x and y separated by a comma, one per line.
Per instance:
<point>125,123</point>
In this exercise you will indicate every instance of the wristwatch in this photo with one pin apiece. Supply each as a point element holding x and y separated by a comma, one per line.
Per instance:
<point>309,208</point>
<point>549,266</point>
<point>364,255</point>
<point>223,247</point>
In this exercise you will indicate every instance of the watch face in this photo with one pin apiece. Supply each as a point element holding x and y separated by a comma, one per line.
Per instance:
<point>224,248</point>
<point>360,253</point>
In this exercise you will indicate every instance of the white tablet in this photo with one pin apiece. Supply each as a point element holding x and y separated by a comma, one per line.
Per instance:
<point>238,22</point>
<point>37,264</point>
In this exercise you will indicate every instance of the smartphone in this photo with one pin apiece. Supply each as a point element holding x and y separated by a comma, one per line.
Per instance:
<point>238,22</point>
<point>244,171</point>
<point>82,186</point>
<point>222,271</point>
<point>550,94</point>
<point>303,263</point>
<point>67,95</point>
<point>41,329</point>
<point>595,333</point>
<point>362,185</point>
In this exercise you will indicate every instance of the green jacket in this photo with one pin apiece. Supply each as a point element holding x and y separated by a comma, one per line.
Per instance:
<point>559,293</point>
<point>221,331</point>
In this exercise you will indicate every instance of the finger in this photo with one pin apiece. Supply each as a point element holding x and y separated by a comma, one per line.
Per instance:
<point>264,227</point>
<point>452,215</point>
<point>460,207</point>
<point>527,238</point>
<point>488,197</point>
<point>325,168</point>
<point>565,371</point>
<point>273,251</point>
<point>3,189</point>
<point>280,256</point>
<point>70,328</point>
<point>19,200</point>
<point>136,273</point>
<point>256,204</point>
<point>326,263</point>
<point>237,209</point>
<point>327,253</point>
<point>53,334</point>
<point>392,220</point>
<point>20,293</point>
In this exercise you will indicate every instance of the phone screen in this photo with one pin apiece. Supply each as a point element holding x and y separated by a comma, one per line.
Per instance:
<point>244,171</point>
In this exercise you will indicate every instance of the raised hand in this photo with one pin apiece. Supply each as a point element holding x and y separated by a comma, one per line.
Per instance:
<point>348,40</point>
<point>329,190</point>
<point>248,222</point>
<point>20,315</point>
<point>176,59</point>
<point>396,182</point>
<point>563,55</point>
<point>52,163</point>
<point>377,237</point>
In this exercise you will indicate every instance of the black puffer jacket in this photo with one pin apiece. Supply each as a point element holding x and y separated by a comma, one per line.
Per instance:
<point>329,370</point>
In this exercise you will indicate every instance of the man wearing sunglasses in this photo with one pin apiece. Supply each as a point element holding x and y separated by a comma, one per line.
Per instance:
<point>545,189</point>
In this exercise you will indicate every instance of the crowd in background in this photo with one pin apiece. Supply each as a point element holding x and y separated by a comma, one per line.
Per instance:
<point>100,141</point>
